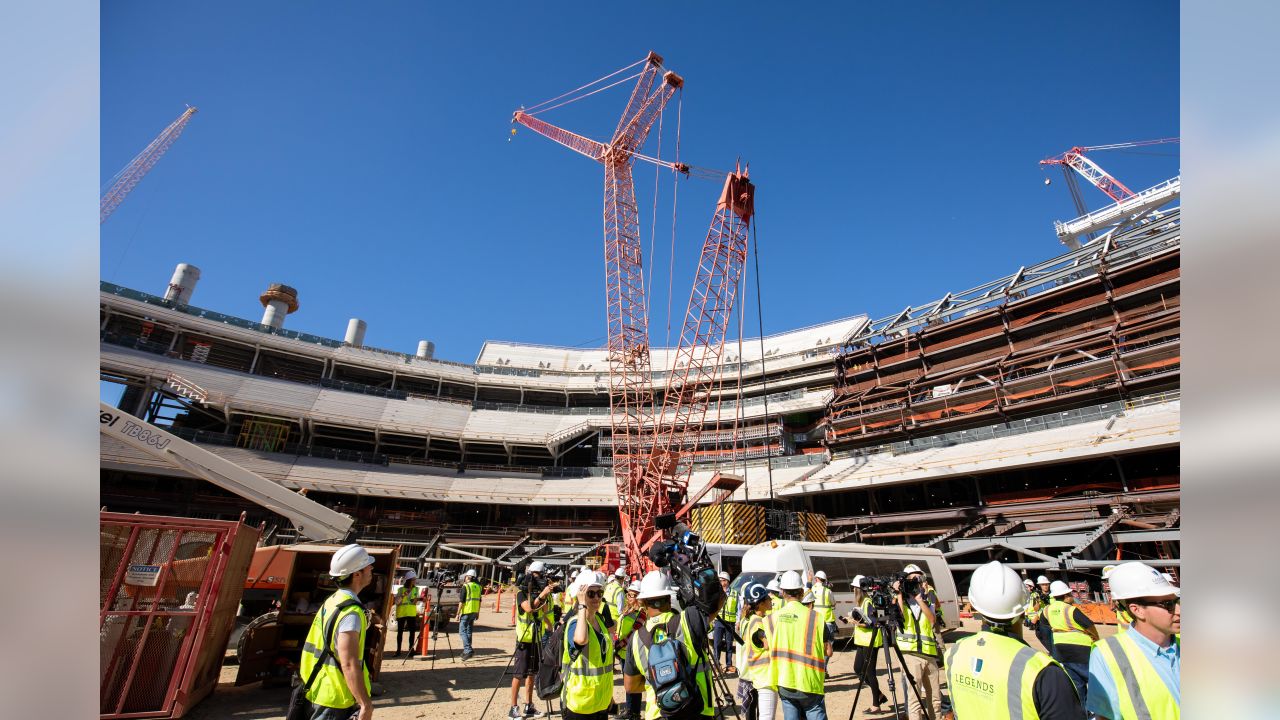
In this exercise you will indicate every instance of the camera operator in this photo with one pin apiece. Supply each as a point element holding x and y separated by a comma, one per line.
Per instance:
<point>689,626</point>
<point>1073,635</point>
<point>866,639</point>
<point>531,630</point>
<point>983,672</point>
<point>722,638</point>
<point>919,643</point>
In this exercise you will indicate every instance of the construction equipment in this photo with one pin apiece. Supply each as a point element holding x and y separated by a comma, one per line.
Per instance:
<point>309,517</point>
<point>652,456</point>
<point>128,178</point>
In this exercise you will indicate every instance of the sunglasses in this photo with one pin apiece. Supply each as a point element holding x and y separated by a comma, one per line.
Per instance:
<point>594,594</point>
<point>1166,605</point>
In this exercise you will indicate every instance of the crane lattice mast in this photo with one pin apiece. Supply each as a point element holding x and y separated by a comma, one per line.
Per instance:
<point>1075,159</point>
<point>128,178</point>
<point>630,381</point>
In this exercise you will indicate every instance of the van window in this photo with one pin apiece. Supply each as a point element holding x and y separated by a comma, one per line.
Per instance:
<point>841,570</point>
<point>746,578</point>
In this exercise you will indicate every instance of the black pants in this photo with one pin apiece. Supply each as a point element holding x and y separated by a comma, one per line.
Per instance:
<point>571,715</point>
<point>409,625</point>
<point>865,660</point>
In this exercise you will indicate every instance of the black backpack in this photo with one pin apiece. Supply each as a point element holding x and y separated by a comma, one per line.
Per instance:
<point>548,682</point>
<point>668,671</point>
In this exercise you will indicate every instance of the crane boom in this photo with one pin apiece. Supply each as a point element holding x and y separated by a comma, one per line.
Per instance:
<point>1075,159</point>
<point>133,173</point>
<point>309,517</point>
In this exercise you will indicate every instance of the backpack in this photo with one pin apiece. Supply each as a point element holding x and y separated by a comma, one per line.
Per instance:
<point>668,672</point>
<point>548,681</point>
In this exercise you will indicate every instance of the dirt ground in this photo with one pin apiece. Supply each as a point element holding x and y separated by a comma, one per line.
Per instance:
<point>414,689</point>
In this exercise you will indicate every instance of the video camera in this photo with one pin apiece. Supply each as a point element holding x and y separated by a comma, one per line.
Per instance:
<point>884,606</point>
<point>684,556</point>
<point>533,584</point>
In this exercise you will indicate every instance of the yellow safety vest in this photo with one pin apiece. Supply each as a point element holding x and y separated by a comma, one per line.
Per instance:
<point>915,638</point>
<point>330,688</point>
<point>406,602</point>
<point>993,677</point>
<point>797,659</point>
<point>752,662</point>
<point>626,624</point>
<point>471,598</point>
<point>729,613</point>
<point>823,603</point>
<point>588,680</point>
<point>1142,693</point>
<point>613,592</point>
<point>863,636</point>
<point>526,620</point>
<point>656,626</point>
<point>1123,620</point>
<point>1034,608</point>
<point>1065,629</point>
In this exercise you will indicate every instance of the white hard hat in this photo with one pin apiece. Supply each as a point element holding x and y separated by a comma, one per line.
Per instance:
<point>773,586</point>
<point>1042,580</point>
<point>820,575</point>
<point>634,586</point>
<point>1136,580</point>
<point>857,582</point>
<point>655,585</point>
<point>410,575</point>
<point>996,592</point>
<point>588,578</point>
<point>912,568</point>
<point>348,559</point>
<point>1168,577</point>
<point>620,572</point>
<point>1028,583</point>
<point>807,599</point>
<point>1106,571</point>
<point>537,566</point>
<point>1058,588</point>
<point>791,581</point>
<point>724,575</point>
<point>469,573</point>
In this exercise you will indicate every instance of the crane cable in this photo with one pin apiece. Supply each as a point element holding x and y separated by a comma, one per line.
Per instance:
<point>764,382</point>
<point>535,109</point>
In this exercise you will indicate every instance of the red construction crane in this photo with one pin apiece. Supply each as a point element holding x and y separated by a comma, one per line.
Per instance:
<point>630,382</point>
<point>128,178</point>
<point>1074,159</point>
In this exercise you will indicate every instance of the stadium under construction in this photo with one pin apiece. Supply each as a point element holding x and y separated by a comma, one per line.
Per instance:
<point>1034,419</point>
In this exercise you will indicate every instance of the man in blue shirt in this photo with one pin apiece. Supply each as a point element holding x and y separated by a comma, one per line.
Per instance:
<point>1138,673</point>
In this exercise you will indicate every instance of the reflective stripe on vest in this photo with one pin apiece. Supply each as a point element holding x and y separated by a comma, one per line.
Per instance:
<point>915,638</point>
<point>729,613</point>
<point>863,636</point>
<point>330,688</point>
<point>1142,692</point>
<point>640,653</point>
<point>406,602</point>
<point>797,660</point>
<point>471,598</point>
<point>823,603</point>
<point>991,676</point>
<point>588,680</point>
<point>1065,629</point>
<point>752,662</point>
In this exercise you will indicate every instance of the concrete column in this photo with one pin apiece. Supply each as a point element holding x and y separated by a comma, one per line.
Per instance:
<point>355,332</point>
<point>426,350</point>
<point>182,284</point>
<point>278,301</point>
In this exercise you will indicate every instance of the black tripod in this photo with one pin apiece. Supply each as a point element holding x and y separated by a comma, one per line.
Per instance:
<point>883,628</point>
<point>435,619</point>
<point>721,697</point>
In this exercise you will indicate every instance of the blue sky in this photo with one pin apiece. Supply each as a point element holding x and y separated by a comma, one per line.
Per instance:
<point>361,153</point>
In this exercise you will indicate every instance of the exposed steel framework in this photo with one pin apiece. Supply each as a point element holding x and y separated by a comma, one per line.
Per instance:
<point>127,179</point>
<point>630,384</point>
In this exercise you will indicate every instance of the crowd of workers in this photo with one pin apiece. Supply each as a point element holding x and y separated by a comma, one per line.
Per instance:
<point>778,640</point>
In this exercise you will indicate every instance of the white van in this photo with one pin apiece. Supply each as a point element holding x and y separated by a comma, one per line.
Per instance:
<point>727,557</point>
<point>841,562</point>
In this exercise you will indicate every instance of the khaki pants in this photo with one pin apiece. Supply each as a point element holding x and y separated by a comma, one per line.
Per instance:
<point>928,680</point>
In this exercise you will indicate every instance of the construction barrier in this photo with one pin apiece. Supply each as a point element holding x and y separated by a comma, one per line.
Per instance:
<point>168,592</point>
<point>730,523</point>
<point>814,526</point>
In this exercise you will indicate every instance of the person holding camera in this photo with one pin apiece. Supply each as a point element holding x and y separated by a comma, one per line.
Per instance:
<point>795,636</point>
<point>993,673</point>
<point>753,655</point>
<point>338,686</point>
<point>688,626</point>
<point>468,611</point>
<point>1073,635</point>
<point>586,658</point>
<point>867,639</point>
<point>406,603</point>
<point>1137,674</point>
<point>919,643</point>
<point>532,626</point>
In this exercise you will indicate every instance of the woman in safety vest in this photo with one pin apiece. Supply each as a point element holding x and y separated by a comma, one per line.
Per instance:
<point>867,639</point>
<point>407,611</point>
<point>587,655</point>
<point>753,655</point>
